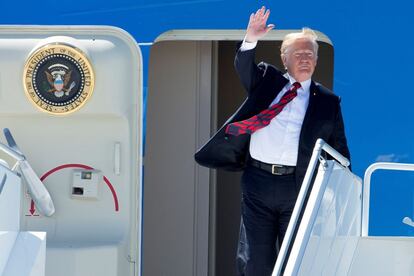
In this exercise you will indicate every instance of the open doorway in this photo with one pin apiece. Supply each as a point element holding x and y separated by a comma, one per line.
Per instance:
<point>192,214</point>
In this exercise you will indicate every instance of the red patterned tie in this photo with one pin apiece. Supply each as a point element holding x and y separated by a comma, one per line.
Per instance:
<point>263,118</point>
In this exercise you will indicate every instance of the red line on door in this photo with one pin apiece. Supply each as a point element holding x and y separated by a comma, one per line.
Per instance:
<point>106,180</point>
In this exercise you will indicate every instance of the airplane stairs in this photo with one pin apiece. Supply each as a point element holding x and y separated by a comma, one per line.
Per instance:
<point>328,232</point>
<point>21,253</point>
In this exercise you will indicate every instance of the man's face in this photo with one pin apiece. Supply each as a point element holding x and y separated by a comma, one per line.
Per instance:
<point>300,59</point>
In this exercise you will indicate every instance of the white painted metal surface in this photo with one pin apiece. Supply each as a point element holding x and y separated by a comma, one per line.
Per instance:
<point>10,201</point>
<point>97,235</point>
<point>383,256</point>
<point>21,253</point>
<point>9,214</point>
<point>28,255</point>
<point>35,187</point>
<point>367,186</point>
<point>330,227</point>
<point>294,220</point>
<point>329,240</point>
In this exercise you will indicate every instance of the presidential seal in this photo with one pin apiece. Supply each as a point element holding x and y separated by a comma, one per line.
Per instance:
<point>58,78</point>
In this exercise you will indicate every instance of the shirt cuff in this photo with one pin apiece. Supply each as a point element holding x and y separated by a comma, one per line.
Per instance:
<point>247,45</point>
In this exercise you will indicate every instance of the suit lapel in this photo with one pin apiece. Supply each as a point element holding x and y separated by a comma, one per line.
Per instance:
<point>313,93</point>
<point>275,85</point>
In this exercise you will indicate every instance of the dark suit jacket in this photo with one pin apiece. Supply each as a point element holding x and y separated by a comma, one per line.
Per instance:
<point>263,82</point>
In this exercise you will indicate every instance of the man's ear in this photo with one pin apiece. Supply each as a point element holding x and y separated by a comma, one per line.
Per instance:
<point>283,58</point>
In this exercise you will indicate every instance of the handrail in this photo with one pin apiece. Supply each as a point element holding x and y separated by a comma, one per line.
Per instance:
<point>35,187</point>
<point>2,182</point>
<point>11,152</point>
<point>367,186</point>
<point>319,146</point>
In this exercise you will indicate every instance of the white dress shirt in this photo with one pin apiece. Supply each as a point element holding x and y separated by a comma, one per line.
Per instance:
<point>278,142</point>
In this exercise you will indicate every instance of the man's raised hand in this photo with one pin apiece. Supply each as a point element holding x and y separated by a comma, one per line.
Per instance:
<point>257,27</point>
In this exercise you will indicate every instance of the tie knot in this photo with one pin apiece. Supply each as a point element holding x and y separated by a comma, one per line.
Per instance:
<point>295,86</point>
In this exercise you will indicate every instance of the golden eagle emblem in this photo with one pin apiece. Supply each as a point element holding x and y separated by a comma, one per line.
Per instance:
<point>58,79</point>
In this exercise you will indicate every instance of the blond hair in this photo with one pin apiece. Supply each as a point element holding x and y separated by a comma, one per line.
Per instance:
<point>306,33</point>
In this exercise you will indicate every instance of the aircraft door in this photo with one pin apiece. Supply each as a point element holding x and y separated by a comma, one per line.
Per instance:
<point>71,96</point>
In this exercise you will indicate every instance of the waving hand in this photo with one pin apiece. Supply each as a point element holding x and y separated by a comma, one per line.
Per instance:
<point>257,27</point>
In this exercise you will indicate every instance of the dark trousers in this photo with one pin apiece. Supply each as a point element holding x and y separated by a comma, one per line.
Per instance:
<point>267,204</point>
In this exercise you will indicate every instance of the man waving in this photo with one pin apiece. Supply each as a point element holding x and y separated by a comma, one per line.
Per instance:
<point>272,136</point>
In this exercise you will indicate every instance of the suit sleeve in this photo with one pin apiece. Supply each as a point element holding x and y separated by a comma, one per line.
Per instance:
<point>338,138</point>
<point>249,73</point>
